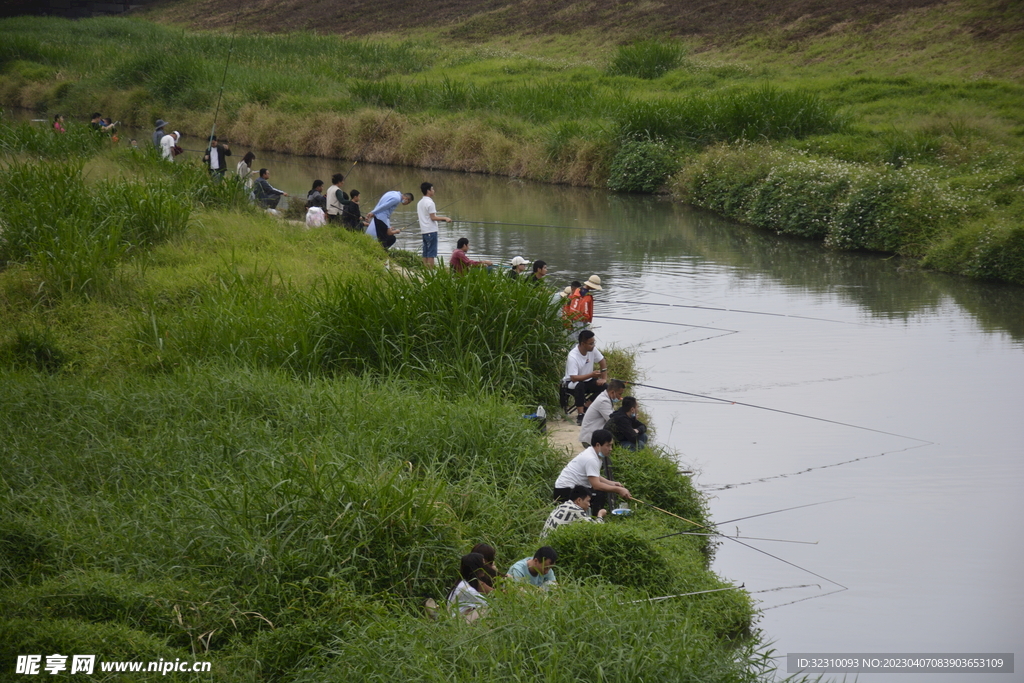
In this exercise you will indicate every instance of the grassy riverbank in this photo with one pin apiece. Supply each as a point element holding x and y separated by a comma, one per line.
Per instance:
<point>891,131</point>
<point>230,439</point>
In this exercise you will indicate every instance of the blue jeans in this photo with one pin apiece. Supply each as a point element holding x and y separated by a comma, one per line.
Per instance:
<point>430,245</point>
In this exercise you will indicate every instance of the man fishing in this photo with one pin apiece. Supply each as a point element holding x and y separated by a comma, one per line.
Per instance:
<point>575,510</point>
<point>582,379</point>
<point>585,470</point>
<point>380,217</point>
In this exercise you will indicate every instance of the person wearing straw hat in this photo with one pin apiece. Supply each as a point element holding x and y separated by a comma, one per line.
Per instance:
<point>518,266</point>
<point>581,308</point>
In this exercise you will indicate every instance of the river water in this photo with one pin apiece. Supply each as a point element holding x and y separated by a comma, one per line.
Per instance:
<point>921,376</point>
<point>921,550</point>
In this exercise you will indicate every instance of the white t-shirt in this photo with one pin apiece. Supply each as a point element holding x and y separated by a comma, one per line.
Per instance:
<point>579,364</point>
<point>424,209</point>
<point>596,416</point>
<point>464,598</point>
<point>578,470</point>
<point>214,158</point>
<point>166,143</point>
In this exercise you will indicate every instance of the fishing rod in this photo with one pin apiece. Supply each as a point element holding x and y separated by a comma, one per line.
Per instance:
<point>746,538</point>
<point>683,595</point>
<point>786,412</point>
<point>224,77</point>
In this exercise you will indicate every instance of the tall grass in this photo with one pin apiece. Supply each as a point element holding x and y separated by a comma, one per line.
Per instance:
<point>764,113</point>
<point>249,517</point>
<point>647,58</point>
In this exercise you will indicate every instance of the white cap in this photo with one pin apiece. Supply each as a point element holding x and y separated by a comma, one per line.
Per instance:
<point>519,261</point>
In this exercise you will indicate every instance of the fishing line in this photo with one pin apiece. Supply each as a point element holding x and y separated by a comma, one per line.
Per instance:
<point>786,412</point>
<point>796,507</point>
<point>692,341</point>
<point>662,322</point>
<point>738,310</point>
<point>747,538</point>
<point>783,588</point>
<point>534,225</point>
<point>803,599</point>
<point>746,545</point>
<point>723,487</point>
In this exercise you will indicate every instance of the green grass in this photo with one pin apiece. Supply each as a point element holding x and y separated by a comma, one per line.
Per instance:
<point>230,457</point>
<point>914,91</point>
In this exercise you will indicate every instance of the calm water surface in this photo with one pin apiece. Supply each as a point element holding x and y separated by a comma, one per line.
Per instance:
<point>928,541</point>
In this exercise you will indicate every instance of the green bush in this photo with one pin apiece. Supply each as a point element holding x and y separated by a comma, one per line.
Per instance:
<point>614,552</point>
<point>647,58</point>
<point>643,166</point>
<point>988,251</point>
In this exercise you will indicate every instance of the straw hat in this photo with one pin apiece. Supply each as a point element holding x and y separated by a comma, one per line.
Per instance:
<point>593,283</point>
<point>567,291</point>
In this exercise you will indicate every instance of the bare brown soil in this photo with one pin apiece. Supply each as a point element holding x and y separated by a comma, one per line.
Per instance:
<point>473,20</point>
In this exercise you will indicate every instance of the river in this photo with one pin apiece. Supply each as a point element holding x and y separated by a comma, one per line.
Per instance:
<point>901,390</point>
<point>895,399</point>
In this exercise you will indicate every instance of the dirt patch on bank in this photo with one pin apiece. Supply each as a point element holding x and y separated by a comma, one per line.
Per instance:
<point>471,20</point>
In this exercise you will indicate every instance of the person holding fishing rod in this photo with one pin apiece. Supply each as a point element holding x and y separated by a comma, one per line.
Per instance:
<point>426,211</point>
<point>380,217</point>
<point>585,470</point>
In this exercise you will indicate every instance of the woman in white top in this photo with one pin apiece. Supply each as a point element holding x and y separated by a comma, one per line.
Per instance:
<point>244,169</point>
<point>467,597</point>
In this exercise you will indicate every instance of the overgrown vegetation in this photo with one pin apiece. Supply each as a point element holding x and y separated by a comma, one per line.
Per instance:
<point>214,457</point>
<point>627,115</point>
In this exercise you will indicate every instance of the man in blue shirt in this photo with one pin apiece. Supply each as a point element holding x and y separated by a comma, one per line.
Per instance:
<point>380,217</point>
<point>537,570</point>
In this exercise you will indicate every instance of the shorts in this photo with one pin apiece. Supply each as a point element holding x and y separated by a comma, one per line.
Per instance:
<point>430,245</point>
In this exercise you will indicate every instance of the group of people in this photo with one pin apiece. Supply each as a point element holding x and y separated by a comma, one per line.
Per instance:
<point>478,574</point>
<point>584,489</point>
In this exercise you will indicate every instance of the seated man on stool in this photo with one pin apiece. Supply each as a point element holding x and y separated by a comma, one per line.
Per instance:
<point>583,380</point>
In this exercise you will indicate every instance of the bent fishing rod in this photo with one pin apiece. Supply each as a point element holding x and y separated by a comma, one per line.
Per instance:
<point>785,412</point>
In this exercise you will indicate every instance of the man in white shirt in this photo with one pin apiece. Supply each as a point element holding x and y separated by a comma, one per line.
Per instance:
<point>582,379</point>
<point>167,144</point>
<point>427,212</point>
<point>585,470</point>
<point>601,410</point>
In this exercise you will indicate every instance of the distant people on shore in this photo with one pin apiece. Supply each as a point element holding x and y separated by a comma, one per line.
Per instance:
<point>426,211</point>
<point>315,197</point>
<point>169,146</point>
<point>351,217</point>
<point>459,261</point>
<point>380,218</point>
<point>336,200</point>
<point>540,269</point>
<point>244,169</point>
<point>628,432</point>
<point>158,133</point>
<point>58,123</point>
<point>215,158</point>
<point>581,305</point>
<point>266,194</point>
<point>516,267</point>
